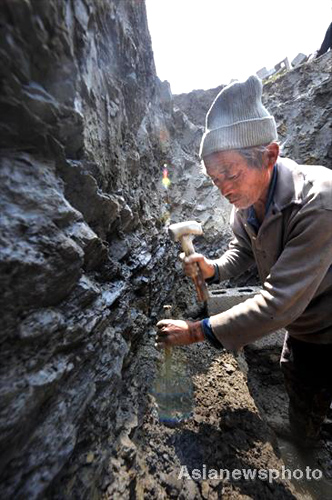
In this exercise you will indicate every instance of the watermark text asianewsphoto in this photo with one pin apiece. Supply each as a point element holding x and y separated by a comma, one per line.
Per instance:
<point>269,475</point>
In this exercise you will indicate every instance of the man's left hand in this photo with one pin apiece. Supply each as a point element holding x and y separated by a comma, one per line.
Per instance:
<point>173,332</point>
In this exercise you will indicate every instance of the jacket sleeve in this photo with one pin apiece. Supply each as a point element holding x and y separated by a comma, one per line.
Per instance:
<point>289,287</point>
<point>239,256</point>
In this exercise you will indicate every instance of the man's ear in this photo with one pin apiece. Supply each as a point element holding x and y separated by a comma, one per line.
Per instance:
<point>272,154</point>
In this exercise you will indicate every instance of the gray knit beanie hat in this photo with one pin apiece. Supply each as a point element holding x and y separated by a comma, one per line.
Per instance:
<point>237,119</point>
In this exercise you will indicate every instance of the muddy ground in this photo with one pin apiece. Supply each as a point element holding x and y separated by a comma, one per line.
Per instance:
<point>265,383</point>
<point>237,402</point>
<point>226,431</point>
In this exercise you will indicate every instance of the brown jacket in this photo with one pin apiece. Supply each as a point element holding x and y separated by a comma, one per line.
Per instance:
<point>293,253</point>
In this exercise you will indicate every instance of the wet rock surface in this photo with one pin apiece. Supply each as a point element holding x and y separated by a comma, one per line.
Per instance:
<point>86,265</point>
<point>85,260</point>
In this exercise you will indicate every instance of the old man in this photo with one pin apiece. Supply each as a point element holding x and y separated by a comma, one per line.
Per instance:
<point>282,221</point>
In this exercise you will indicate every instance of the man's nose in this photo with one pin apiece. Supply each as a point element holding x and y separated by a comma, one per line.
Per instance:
<point>226,189</point>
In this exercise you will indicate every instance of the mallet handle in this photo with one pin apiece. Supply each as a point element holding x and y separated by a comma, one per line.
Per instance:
<point>199,282</point>
<point>200,285</point>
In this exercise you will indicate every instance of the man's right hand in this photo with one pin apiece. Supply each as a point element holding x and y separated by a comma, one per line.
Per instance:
<point>190,267</point>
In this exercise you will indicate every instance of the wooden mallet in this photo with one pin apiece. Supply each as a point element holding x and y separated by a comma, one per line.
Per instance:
<point>184,232</point>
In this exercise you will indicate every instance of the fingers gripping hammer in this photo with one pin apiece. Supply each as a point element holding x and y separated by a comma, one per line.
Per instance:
<point>185,232</point>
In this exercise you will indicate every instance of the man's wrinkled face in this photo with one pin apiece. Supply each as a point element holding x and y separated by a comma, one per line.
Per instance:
<point>242,185</point>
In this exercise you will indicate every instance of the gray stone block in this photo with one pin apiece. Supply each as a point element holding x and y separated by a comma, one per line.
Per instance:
<point>284,64</point>
<point>223,299</point>
<point>262,73</point>
<point>265,73</point>
<point>299,59</point>
<point>270,72</point>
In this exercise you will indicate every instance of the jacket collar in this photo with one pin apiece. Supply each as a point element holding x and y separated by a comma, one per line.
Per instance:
<point>289,184</point>
<point>288,189</point>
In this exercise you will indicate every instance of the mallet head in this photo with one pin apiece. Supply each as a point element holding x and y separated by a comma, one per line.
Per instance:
<point>184,232</point>
<point>180,229</point>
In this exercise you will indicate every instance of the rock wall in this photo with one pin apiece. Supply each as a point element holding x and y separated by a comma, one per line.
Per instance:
<point>301,102</point>
<point>86,263</point>
<point>195,104</point>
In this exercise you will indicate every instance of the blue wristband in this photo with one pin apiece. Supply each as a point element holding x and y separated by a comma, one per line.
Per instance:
<point>209,335</point>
